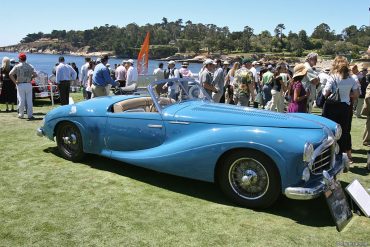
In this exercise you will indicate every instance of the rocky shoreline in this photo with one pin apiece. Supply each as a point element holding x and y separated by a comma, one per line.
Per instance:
<point>44,48</point>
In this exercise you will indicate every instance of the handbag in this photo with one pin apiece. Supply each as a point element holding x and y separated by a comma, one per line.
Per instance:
<point>320,99</point>
<point>334,97</point>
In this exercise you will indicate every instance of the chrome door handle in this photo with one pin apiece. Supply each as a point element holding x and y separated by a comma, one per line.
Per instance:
<point>158,126</point>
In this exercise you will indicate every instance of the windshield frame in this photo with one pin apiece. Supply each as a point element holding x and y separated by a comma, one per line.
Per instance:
<point>179,82</point>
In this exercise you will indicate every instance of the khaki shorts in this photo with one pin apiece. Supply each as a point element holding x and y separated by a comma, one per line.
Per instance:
<point>98,91</point>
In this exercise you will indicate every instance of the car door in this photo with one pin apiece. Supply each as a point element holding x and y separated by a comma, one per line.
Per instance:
<point>130,131</point>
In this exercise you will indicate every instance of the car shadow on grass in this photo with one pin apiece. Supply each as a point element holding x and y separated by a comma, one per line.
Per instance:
<point>313,213</point>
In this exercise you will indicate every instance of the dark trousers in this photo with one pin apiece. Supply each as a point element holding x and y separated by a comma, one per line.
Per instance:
<point>340,113</point>
<point>63,87</point>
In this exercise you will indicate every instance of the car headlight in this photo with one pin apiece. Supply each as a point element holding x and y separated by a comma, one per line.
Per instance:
<point>306,174</point>
<point>307,152</point>
<point>338,132</point>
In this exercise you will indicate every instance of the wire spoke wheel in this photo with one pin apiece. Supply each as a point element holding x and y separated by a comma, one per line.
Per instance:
<point>69,141</point>
<point>248,178</point>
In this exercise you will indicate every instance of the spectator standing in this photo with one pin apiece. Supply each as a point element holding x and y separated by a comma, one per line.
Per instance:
<point>132,76</point>
<point>311,79</point>
<point>172,88</point>
<point>22,75</point>
<point>225,68</point>
<point>257,85</point>
<point>366,112</point>
<point>218,81</point>
<point>83,77</point>
<point>64,75</point>
<point>297,92</point>
<point>229,83</point>
<point>90,73</point>
<point>101,79</point>
<point>244,84</point>
<point>206,79</point>
<point>159,72</point>
<point>340,112</point>
<point>363,83</point>
<point>121,73</point>
<point>158,76</point>
<point>8,89</point>
<point>185,71</point>
<point>267,78</point>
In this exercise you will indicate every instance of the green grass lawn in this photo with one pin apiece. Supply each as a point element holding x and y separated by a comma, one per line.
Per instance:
<point>48,201</point>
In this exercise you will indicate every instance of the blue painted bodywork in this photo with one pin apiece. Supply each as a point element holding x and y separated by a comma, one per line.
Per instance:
<point>195,134</point>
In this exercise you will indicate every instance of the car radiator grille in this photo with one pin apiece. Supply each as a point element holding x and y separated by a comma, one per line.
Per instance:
<point>322,161</point>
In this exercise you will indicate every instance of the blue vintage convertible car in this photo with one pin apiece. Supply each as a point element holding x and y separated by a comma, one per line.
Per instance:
<point>253,155</point>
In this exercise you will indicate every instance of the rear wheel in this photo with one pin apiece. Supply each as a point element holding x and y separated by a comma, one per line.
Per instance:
<point>250,179</point>
<point>69,141</point>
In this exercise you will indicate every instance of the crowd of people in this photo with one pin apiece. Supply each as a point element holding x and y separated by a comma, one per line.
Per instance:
<point>271,86</point>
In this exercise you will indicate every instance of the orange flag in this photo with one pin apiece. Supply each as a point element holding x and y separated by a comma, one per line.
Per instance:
<point>142,59</point>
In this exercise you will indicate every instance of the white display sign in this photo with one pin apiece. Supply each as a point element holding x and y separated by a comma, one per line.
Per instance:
<point>360,196</point>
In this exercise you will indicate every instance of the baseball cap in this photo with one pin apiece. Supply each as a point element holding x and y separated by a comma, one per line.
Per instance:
<point>22,56</point>
<point>208,61</point>
<point>130,61</point>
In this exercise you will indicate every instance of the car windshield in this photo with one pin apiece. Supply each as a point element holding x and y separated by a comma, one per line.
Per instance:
<point>176,90</point>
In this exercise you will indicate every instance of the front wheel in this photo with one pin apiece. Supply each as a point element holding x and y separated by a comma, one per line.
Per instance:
<point>69,142</point>
<point>250,179</point>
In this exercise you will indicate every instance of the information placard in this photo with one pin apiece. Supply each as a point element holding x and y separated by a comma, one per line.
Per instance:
<point>338,205</point>
<point>360,196</point>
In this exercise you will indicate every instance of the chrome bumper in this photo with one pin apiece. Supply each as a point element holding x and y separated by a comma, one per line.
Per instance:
<point>315,188</point>
<point>40,132</point>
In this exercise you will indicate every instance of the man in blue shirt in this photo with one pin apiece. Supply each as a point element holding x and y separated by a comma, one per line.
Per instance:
<point>101,79</point>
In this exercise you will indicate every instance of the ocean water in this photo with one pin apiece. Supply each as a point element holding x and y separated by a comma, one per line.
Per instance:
<point>46,62</point>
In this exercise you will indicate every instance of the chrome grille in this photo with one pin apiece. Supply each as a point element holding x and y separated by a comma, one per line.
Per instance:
<point>323,161</point>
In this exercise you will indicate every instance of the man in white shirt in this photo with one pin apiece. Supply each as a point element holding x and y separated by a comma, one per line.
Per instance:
<point>159,75</point>
<point>132,76</point>
<point>120,74</point>
<point>83,78</point>
<point>64,75</point>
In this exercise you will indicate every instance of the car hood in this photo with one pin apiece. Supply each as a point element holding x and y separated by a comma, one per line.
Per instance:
<point>203,112</point>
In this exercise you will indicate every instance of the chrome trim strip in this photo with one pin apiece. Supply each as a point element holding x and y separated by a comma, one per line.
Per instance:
<point>179,122</point>
<point>158,126</point>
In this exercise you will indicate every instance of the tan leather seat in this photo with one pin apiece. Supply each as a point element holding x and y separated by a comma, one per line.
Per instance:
<point>143,103</point>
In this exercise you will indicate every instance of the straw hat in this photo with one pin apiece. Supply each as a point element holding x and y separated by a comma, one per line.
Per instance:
<point>299,70</point>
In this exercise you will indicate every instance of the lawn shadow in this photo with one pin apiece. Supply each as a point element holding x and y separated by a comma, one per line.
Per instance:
<point>313,213</point>
<point>190,187</point>
<point>360,151</point>
<point>360,170</point>
<point>39,114</point>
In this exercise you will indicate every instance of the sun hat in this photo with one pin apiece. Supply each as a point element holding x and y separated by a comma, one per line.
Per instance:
<point>185,64</point>
<point>130,61</point>
<point>124,61</point>
<point>172,62</point>
<point>299,70</point>
<point>226,62</point>
<point>22,56</point>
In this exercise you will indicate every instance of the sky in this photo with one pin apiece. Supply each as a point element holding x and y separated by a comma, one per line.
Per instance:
<point>32,16</point>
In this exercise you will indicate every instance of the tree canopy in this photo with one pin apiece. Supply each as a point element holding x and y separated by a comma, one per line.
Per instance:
<point>169,37</point>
